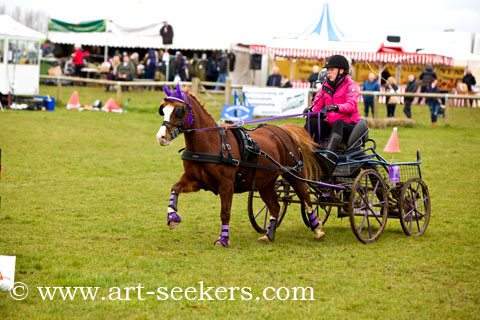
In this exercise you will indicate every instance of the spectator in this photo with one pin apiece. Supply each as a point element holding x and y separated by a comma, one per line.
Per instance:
<point>433,103</point>
<point>285,83</point>
<point>412,87</point>
<point>126,71</point>
<point>211,72</point>
<point>222,68</point>
<point>113,72</point>
<point>78,60</point>
<point>314,76</point>
<point>151,63</point>
<point>167,33</point>
<point>392,100</point>
<point>47,50</point>
<point>383,78</point>
<point>470,81</point>
<point>180,74</point>
<point>275,79</point>
<point>134,58</point>
<point>370,85</point>
<point>427,75</point>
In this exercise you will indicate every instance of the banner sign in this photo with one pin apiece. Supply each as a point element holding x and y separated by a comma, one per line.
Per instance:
<point>238,111</point>
<point>88,26</point>
<point>276,101</point>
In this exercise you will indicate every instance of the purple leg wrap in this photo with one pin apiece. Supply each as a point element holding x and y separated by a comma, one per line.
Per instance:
<point>313,221</point>
<point>173,201</point>
<point>224,236</point>
<point>173,217</point>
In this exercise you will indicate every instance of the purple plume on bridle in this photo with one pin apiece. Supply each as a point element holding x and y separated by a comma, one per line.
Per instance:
<point>178,95</point>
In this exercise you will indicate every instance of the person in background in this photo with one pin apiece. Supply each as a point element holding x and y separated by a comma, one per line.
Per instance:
<point>314,76</point>
<point>433,103</point>
<point>339,100</point>
<point>211,71</point>
<point>427,75</point>
<point>166,31</point>
<point>126,70</point>
<point>180,67</point>
<point>285,82</point>
<point>222,69</point>
<point>393,100</point>
<point>470,81</point>
<point>371,84</point>
<point>151,64</point>
<point>47,50</point>
<point>275,79</point>
<point>134,58</point>
<point>412,87</point>
<point>78,60</point>
<point>113,72</point>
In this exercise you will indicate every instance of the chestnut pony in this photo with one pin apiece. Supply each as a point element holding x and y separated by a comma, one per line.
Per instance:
<point>281,147</point>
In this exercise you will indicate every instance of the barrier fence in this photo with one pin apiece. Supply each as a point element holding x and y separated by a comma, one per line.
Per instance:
<point>198,86</point>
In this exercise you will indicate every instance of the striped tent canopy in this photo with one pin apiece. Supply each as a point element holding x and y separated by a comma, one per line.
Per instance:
<point>399,58</point>
<point>324,28</point>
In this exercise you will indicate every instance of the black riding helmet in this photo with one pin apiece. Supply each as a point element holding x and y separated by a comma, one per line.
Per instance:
<point>337,61</point>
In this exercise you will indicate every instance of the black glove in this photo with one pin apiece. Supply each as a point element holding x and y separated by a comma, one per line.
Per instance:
<point>306,110</point>
<point>330,108</point>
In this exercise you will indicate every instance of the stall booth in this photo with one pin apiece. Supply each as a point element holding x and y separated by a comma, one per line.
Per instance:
<point>19,59</point>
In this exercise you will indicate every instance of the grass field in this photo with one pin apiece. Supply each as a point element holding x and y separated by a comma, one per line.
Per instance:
<point>84,197</point>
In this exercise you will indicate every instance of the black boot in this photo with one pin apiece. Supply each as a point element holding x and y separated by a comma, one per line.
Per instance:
<point>333,142</point>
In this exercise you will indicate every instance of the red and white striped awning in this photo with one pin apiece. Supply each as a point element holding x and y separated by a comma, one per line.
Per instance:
<point>403,58</point>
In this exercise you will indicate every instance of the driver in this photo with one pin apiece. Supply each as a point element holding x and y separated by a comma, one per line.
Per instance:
<point>339,100</point>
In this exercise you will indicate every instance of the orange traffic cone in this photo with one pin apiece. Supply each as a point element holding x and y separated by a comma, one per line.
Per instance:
<point>111,106</point>
<point>392,144</point>
<point>74,102</point>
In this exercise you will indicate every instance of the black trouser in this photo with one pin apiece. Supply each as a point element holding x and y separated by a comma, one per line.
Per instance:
<point>407,108</point>
<point>325,129</point>
<point>391,110</point>
<point>342,130</point>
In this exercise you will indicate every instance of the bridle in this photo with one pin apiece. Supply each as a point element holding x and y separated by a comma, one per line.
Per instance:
<point>179,113</point>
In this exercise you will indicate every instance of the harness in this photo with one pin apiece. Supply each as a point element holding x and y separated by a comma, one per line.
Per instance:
<point>249,155</point>
<point>249,148</point>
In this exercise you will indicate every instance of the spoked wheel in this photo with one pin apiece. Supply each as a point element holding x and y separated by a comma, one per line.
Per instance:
<point>414,208</point>
<point>258,210</point>
<point>368,206</point>
<point>322,212</point>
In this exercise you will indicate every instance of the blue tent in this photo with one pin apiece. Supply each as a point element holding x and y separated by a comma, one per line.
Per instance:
<point>324,28</point>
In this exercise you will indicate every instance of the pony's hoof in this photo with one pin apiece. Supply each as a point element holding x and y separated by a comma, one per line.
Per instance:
<point>222,242</point>
<point>264,240</point>
<point>173,225</point>
<point>318,235</point>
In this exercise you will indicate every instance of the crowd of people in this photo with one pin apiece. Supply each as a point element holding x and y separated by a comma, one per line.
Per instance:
<point>427,83</point>
<point>160,65</point>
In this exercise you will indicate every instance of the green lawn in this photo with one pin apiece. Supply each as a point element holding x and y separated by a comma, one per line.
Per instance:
<point>84,197</point>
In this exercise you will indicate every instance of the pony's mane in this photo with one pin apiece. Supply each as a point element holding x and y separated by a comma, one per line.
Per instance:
<point>197,99</point>
<point>194,96</point>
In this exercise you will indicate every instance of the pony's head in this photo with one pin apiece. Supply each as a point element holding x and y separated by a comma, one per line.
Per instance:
<point>177,112</point>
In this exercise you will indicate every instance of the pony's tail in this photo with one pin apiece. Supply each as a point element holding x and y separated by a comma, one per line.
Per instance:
<point>311,169</point>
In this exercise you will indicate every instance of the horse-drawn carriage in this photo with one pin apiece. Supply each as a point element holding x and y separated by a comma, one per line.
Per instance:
<point>363,186</point>
<point>281,165</point>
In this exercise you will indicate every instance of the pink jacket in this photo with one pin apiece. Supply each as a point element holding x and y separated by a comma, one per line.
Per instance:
<point>345,97</point>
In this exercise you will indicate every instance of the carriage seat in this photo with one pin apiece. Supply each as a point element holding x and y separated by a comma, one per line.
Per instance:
<point>359,135</point>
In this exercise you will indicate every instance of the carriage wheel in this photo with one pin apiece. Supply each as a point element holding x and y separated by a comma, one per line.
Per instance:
<point>258,210</point>
<point>368,206</point>
<point>415,207</point>
<point>322,212</point>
